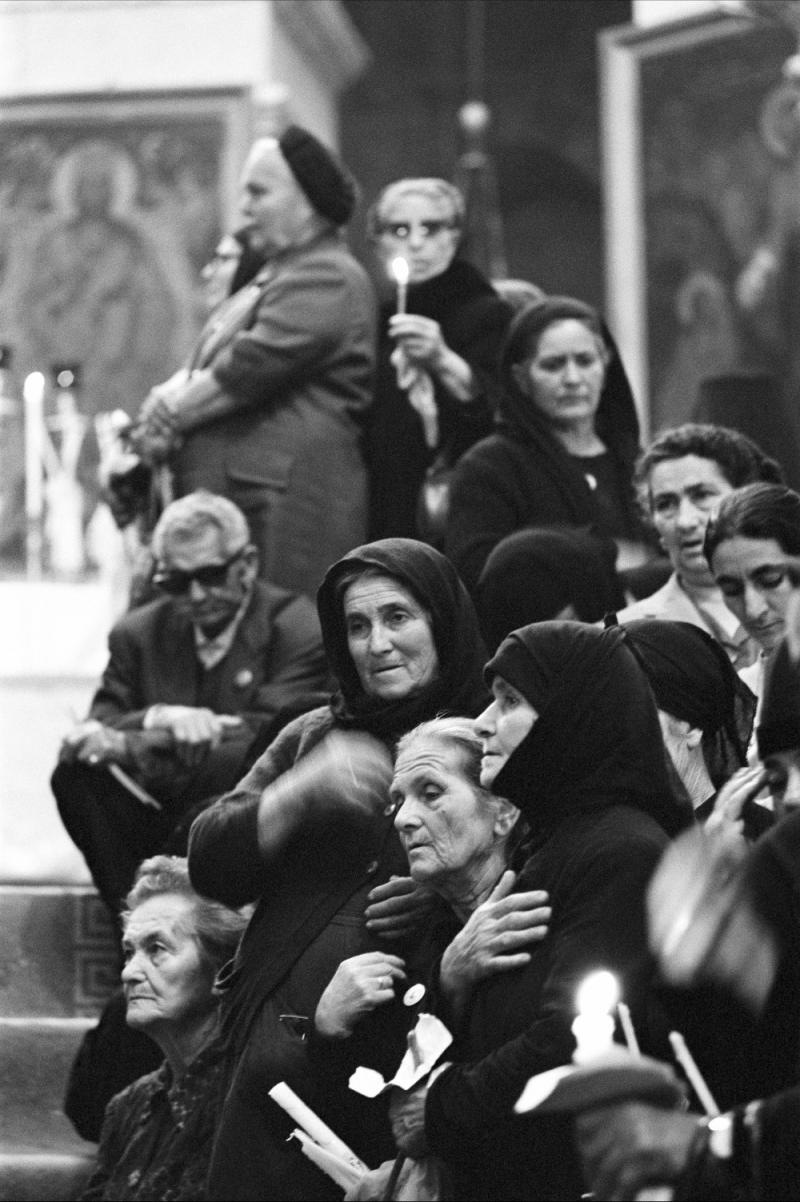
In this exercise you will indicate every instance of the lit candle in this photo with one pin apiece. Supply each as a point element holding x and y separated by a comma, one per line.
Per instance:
<point>33,395</point>
<point>400,270</point>
<point>594,1026</point>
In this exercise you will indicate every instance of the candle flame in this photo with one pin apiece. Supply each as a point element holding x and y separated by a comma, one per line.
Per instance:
<point>400,269</point>
<point>33,386</point>
<point>597,994</point>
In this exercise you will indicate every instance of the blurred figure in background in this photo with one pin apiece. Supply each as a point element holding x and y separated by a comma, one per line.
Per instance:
<point>435,390</point>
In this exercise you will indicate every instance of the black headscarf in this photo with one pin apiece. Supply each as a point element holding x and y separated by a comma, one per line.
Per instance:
<point>616,422</point>
<point>534,573</point>
<point>597,740</point>
<point>779,721</point>
<point>693,679</point>
<point>434,582</point>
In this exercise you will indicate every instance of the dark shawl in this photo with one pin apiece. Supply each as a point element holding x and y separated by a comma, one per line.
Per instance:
<point>597,740</point>
<point>693,679</point>
<point>533,574</point>
<point>779,722</point>
<point>435,584</point>
<point>616,423</point>
<point>473,320</point>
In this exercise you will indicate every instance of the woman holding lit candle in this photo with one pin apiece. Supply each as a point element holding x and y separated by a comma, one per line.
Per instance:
<point>572,738</point>
<point>440,334</point>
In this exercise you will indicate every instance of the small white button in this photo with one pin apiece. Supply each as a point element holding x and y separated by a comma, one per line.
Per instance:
<point>372,867</point>
<point>413,995</point>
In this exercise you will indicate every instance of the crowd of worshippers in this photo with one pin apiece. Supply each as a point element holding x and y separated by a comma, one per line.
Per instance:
<point>444,695</point>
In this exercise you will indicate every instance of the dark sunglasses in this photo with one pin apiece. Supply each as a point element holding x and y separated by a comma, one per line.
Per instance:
<point>212,576</point>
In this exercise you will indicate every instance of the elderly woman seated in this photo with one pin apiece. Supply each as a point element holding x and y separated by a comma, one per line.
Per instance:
<point>157,1134</point>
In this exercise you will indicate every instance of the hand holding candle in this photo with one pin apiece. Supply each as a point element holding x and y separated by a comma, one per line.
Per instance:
<point>400,272</point>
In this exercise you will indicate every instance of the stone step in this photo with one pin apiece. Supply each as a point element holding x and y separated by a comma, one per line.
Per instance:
<point>44,1176</point>
<point>58,951</point>
<point>37,1056</point>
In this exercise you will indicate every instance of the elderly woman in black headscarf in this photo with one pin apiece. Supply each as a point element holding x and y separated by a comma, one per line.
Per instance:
<point>572,739</point>
<point>308,834</point>
<point>705,709</point>
<point>565,445</point>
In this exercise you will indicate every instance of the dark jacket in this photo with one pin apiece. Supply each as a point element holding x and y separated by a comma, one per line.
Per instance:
<point>293,354</point>
<point>595,867</point>
<point>276,660</point>
<point>473,319</point>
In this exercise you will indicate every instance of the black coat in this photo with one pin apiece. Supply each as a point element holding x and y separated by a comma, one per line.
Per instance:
<point>473,319</point>
<point>595,867</point>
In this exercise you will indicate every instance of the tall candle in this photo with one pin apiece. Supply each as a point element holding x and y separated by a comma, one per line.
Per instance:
<point>33,397</point>
<point>400,270</point>
<point>594,1026</point>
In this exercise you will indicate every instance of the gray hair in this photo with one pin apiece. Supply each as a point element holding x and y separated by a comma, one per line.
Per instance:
<point>217,928</point>
<point>439,190</point>
<point>182,519</point>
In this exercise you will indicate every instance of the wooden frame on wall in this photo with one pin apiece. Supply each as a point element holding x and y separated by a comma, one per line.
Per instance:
<point>109,206</point>
<point>701,179</point>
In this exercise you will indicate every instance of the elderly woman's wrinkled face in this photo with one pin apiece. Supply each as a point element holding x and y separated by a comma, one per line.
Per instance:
<point>447,826</point>
<point>565,374</point>
<point>390,638</point>
<point>753,576</point>
<point>167,983</point>
<point>420,229</point>
<point>502,726</point>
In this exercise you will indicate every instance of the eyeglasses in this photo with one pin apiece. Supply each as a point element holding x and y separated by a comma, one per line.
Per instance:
<point>402,230</point>
<point>213,575</point>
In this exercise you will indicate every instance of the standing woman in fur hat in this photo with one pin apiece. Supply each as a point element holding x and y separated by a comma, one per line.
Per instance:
<point>269,411</point>
<point>565,445</point>
<point>436,390</point>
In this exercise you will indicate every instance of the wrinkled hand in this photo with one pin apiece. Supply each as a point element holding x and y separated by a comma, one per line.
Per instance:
<point>359,985</point>
<point>493,937</point>
<point>196,730</point>
<point>627,1147</point>
<point>155,433</point>
<point>407,1118</point>
<point>350,769</point>
<point>92,743</point>
<point>743,786</point>
<point>398,908</point>
<point>420,337</point>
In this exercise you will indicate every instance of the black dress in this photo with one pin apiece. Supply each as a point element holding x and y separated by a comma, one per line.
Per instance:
<point>473,319</point>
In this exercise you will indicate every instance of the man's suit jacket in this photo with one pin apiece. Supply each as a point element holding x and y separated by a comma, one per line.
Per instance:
<point>275,663</point>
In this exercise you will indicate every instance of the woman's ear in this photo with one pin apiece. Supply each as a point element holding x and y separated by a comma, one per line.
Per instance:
<point>505,817</point>
<point>694,738</point>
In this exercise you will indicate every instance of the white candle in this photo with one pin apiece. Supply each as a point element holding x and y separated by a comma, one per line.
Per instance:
<point>628,1029</point>
<point>400,270</point>
<point>694,1076</point>
<point>312,1124</point>
<point>594,1026</point>
<point>33,396</point>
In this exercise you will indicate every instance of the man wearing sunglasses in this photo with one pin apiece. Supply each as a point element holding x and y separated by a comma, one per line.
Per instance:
<point>192,679</point>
